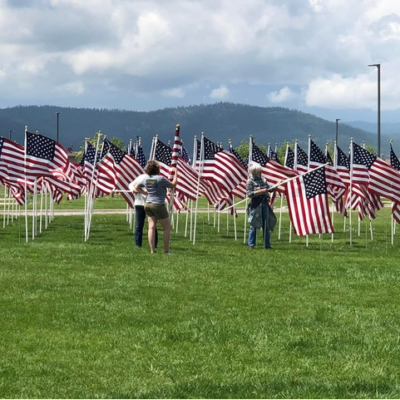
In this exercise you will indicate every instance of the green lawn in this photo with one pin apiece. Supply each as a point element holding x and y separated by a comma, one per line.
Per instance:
<point>103,319</point>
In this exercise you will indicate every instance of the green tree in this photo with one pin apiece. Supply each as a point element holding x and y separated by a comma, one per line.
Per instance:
<point>243,149</point>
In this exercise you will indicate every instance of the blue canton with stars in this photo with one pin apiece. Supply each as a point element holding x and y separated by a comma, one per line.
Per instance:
<point>342,159</point>
<point>40,146</point>
<point>315,183</point>
<point>210,149</point>
<point>258,156</point>
<point>289,158</point>
<point>362,156</point>
<point>117,153</point>
<point>394,161</point>
<point>302,157</point>
<point>316,154</point>
<point>163,153</point>
<point>90,154</point>
<point>1,145</point>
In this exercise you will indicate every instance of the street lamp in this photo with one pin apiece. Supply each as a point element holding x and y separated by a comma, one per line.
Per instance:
<point>58,127</point>
<point>379,106</point>
<point>9,133</point>
<point>337,130</point>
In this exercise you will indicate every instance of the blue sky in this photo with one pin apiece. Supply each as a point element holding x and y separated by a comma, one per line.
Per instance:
<point>310,55</point>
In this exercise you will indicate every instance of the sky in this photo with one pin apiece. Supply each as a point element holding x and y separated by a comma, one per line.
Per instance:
<point>144,55</point>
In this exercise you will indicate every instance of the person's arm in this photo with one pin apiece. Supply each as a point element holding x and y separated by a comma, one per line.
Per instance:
<point>139,189</point>
<point>175,179</point>
<point>254,193</point>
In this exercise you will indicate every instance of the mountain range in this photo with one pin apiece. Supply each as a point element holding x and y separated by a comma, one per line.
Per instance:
<point>220,122</point>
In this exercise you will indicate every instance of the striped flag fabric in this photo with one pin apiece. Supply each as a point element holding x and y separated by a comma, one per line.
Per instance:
<point>382,178</point>
<point>335,185</point>
<point>300,159</point>
<point>44,155</point>
<point>119,169</point>
<point>307,198</point>
<point>220,166</point>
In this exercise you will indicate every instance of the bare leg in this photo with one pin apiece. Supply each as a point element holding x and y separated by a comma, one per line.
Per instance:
<point>166,224</point>
<point>152,233</point>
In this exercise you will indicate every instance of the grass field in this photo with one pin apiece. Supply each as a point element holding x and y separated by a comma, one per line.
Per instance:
<point>103,319</point>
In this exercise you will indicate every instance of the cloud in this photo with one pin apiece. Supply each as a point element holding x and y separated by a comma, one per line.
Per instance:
<point>221,93</point>
<point>72,88</point>
<point>171,53</point>
<point>176,92</point>
<point>281,96</point>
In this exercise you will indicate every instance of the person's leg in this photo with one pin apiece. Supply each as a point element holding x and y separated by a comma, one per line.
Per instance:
<point>266,232</point>
<point>156,238</point>
<point>166,224</point>
<point>140,218</point>
<point>252,236</point>
<point>151,233</point>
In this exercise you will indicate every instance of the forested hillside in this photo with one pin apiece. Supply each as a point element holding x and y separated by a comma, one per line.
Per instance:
<point>219,122</point>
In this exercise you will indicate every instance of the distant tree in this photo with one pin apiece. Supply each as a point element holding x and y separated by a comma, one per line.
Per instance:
<point>243,149</point>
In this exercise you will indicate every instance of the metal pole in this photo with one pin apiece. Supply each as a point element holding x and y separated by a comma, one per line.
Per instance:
<point>337,130</point>
<point>58,127</point>
<point>379,106</point>
<point>9,134</point>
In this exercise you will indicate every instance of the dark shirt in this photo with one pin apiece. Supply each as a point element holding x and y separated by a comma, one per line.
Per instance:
<point>254,184</point>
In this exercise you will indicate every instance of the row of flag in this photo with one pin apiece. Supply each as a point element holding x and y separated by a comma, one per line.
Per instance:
<point>309,180</point>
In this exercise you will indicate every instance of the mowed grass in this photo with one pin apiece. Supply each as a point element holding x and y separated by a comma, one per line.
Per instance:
<point>103,319</point>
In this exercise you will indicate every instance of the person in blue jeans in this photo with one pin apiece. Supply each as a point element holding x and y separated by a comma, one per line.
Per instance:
<point>257,190</point>
<point>140,216</point>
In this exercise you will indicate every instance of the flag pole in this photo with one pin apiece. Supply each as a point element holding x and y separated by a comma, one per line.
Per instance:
<point>285,182</point>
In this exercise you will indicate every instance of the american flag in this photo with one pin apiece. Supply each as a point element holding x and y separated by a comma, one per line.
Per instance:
<point>236,154</point>
<point>335,185</point>
<point>273,155</point>
<point>382,178</point>
<point>44,155</point>
<point>300,159</point>
<point>88,164</point>
<point>119,169</point>
<point>308,203</point>
<point>185,155</point>
<point>140,155</point>
<point>357,196</point>
<point>221,167</point>
<point>188,177</point>
<point>289,158</point>
<point>394,161</point>
<point>12,168</point>
<point>272,171</point>
<point>177,146</point>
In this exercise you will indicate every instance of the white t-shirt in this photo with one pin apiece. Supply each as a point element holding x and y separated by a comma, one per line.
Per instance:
<point>140,200</point>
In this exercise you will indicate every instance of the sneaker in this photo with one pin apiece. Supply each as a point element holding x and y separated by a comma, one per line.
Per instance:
<point>251,247</point>
<point>169,252</point>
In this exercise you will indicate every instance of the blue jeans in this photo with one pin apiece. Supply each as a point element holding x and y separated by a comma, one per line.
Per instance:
<point>140,218</point>
<point>266,232</point>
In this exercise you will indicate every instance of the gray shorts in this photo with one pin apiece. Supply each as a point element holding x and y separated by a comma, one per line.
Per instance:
<point>159,211</point>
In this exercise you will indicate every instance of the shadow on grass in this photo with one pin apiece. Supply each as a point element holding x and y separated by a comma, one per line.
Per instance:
<point>278,388</point>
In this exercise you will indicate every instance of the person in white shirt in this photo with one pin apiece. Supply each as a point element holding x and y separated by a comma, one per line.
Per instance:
<point>140,214</point>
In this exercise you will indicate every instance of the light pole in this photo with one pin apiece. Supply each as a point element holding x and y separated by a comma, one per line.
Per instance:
<point>337,131</point>
<point>58,127</point>
<point>379,106</point>
<point>9,133</point>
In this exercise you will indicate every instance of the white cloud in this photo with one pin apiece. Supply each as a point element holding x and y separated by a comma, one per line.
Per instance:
<point>176,92</point>
<point>281,96</point>
<point>220,93</point>
<point>71,88</point>
<point>126,51</point>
